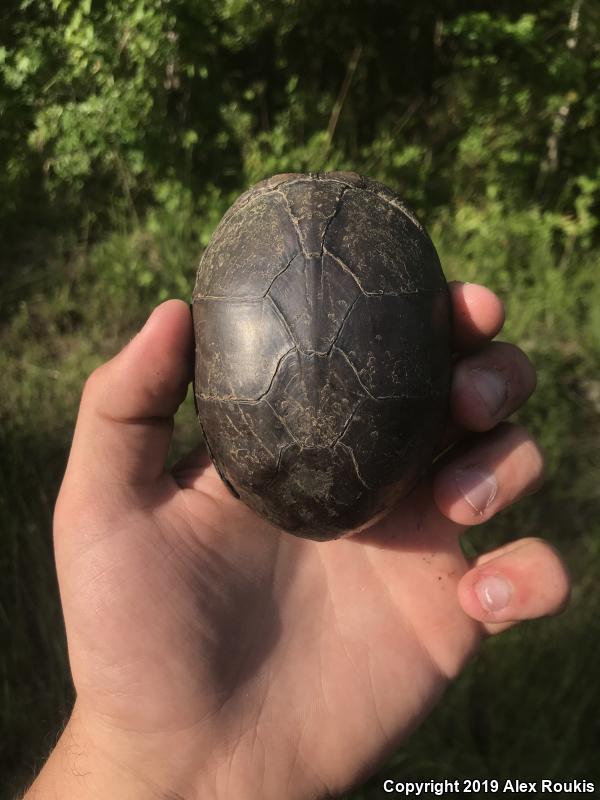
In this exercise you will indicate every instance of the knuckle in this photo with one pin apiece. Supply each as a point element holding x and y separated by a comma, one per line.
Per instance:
<point>523,374</point>
<point>94,384</point>
<point>549,550</point>
<point>538,542</point>
<point>518,433</point>
<point>539,459</point>
<point>535,462</point>
<point>92,381</point>
<point>558,577</point>
<point>63,510</point>
<point>530,456</point>
<point>58,513</point>
<point>516,364</point>
<point>514,434</point>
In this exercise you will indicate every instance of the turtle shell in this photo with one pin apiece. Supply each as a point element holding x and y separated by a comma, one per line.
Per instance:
<point>322,329</point>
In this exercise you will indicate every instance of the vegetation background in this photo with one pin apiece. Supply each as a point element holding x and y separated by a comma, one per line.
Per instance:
<point>128,127</point>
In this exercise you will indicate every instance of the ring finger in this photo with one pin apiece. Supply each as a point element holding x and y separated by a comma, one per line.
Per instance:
<point>488,475</point>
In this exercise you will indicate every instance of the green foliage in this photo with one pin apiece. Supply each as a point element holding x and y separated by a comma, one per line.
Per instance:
<point>534,260</point>
<point>102,102</point>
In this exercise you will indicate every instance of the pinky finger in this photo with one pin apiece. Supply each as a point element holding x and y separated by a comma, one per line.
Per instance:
<point>523,580</point>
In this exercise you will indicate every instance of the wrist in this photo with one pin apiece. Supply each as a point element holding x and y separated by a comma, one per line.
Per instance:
<point>90,762</point>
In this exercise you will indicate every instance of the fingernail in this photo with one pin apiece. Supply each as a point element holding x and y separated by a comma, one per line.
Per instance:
<point>491,387</point>
<point>477,485</point>
<point>493,592</point>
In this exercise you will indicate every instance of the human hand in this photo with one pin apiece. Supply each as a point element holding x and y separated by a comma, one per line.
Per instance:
<point>215,656</point>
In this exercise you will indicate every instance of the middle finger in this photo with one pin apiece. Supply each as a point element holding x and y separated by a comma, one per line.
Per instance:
<point>490,385</point>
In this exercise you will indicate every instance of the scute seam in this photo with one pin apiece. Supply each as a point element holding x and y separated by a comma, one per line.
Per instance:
<point>342,324</point>
<point>278,465</point>
<point>283,424</point>
<point>293,220</point>
<point>346,425</point>
<point>338,205</point>
<point>355,463</point>
<point>252,298</point>
<point>347,269</point>
<point>281,316</point>
<point>253,194</point>
<point>385,396</point>
<point>248,401</point>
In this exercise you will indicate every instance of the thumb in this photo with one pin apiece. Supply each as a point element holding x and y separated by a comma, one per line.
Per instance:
<point>125,418</point>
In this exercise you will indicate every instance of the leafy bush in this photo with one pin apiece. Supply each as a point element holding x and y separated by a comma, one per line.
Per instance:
<point>105,104</point>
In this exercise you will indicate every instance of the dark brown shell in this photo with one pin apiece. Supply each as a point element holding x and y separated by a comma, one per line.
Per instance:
<point>322,325</point>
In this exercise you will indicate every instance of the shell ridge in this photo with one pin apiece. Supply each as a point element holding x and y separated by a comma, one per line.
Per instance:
<point>259,297</point>
<point>211,453</point>
<point>399,206</point>
<point>338,333</point>
<point>227,298</point>
<point>247,197</point>
<point>318,176</point>
<point>219,273</point>
<point>319,419</point>
<point>294,221</point>
<point>281,316</point>
<point>336,211</point>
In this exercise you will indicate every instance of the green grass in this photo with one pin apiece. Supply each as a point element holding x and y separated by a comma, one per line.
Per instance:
<point>527,707</point>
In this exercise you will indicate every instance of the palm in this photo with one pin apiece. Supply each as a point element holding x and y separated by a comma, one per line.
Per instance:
<point>202,640</point>
<point>220,612</point>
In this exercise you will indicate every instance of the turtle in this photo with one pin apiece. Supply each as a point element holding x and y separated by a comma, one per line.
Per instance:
<point>322,351</point>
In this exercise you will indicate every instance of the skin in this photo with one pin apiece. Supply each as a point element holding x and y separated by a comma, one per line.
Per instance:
<point>215,656</point>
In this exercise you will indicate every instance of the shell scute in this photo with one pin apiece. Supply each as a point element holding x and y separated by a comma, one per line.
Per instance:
<point>237,353</point>
<point>392,343</point>
<point>314,296</point>
<point>315,395</point>
<point>380,245</point>
<point>248,250</point>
